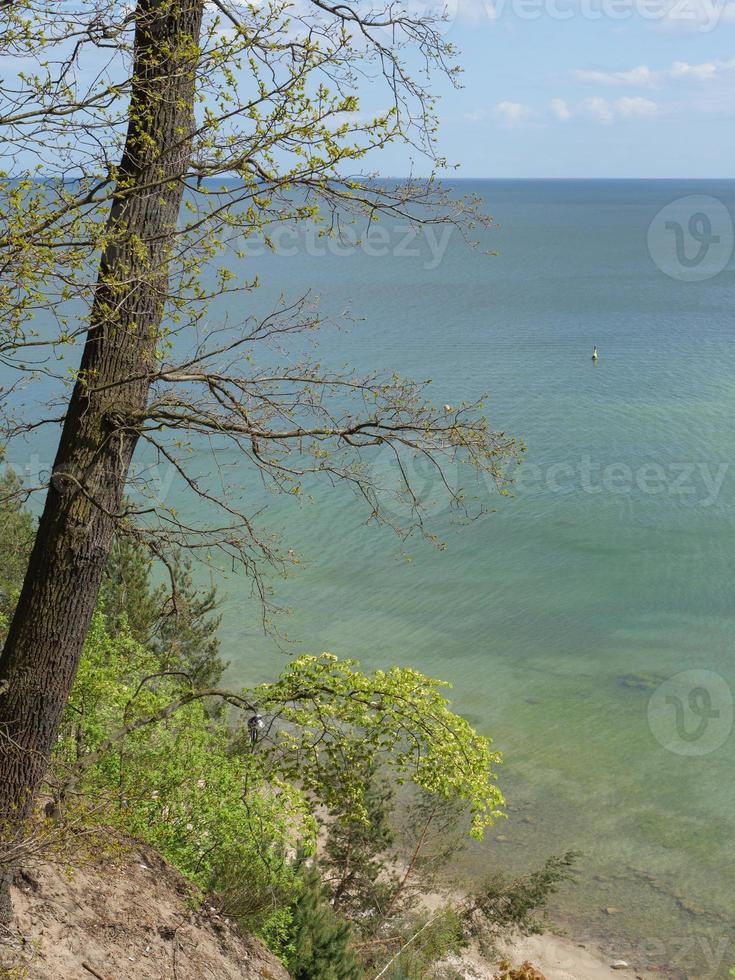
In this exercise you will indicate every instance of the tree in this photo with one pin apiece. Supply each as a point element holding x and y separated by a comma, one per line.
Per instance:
<point>356,860</point>
<point>321,940</point>
<point>138,752</point>
<point>16,540</point>
<point>184,627</point>
<point>119,141</point>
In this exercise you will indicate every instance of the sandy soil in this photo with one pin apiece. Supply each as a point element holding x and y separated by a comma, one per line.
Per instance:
<point>561,959</point>
<point>557,958</point>
<point>129,921</point>
<point>135,920</point>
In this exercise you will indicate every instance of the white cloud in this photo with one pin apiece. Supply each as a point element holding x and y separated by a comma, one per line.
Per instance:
<point>635,107</point>
<point>598,109</point>
<point>604,111</point>
<point>645,77</point>
<point>680,69</point>
<point>704,72</point>
<point>512,113</point>
<point>507,112</point>
<point>560,109</point>
<point>640,76</point>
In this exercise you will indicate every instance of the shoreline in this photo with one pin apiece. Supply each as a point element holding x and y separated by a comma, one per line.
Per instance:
<point>560,958</point>
<point>557,956</point>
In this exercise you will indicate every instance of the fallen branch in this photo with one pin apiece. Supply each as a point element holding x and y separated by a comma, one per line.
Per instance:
<point>94,973</point>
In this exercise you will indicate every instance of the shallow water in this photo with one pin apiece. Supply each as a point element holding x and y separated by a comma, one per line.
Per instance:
<point>558,617</point>
<point>614,558</point>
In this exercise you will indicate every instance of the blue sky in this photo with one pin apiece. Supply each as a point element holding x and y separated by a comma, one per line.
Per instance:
<point>590,88</point>
<point>581,88</point>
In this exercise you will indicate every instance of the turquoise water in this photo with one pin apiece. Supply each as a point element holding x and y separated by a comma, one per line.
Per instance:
<point>539,612</point>
<point>558,616</point>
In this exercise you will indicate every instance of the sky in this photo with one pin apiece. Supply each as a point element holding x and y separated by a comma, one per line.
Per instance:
<point>589,88</point>
<point>579,88</point>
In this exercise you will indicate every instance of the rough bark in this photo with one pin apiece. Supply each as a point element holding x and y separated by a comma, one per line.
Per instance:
<point>46,636</point>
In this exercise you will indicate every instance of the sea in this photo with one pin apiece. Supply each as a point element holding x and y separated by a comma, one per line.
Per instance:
<point>586,620</point>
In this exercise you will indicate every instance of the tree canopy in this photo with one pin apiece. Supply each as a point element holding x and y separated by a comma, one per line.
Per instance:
<point>144,144</point>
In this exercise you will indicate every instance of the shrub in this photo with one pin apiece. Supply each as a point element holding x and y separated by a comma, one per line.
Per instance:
<point>175,784</point>
<point>320,940</point>
<point>526,971</point>
<point>508,905</point>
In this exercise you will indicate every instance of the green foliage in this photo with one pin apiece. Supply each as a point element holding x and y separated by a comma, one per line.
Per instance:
<point>17,529</point>
<point>416,945</point>
<point>140,751</point>
<point>354,863</point>
<point>340,721</point>
<point>126,596</point>
<point>359,858</point>
<point>320,939</point>
<point>175,784</point>
<point>442,936</point>
<point>506,905</point>
<point>182,627</point>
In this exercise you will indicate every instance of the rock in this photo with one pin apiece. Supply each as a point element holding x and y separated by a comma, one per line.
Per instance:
<point>618,965</point>
<point>641,682</point>
<point>689,907</point>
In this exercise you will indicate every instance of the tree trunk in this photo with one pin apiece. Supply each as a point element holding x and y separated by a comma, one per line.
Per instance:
<point>48,630</point>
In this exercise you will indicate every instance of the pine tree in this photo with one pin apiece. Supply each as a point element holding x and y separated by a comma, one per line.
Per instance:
<point>17,529</point>
<point>126,594</point>
<point>183,627</point>
<point>321,949</point>
<point>355,861</point>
